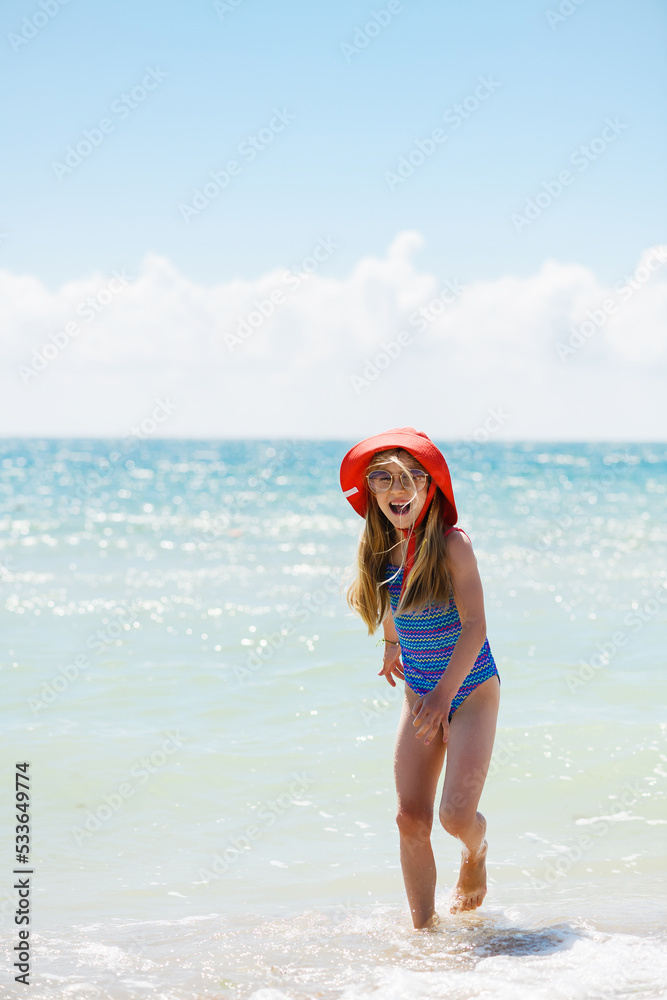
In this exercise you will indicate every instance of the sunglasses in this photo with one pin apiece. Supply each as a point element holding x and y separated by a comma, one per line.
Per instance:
<point>380,481</point>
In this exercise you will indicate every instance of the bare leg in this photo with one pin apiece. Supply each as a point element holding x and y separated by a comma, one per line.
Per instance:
<point>417,770</point>
<point>471,734</point>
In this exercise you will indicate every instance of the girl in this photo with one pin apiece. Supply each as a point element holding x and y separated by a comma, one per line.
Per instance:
<point>418,577</point>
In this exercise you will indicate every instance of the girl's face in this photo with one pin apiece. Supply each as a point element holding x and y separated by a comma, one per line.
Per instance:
<point>401,505</point>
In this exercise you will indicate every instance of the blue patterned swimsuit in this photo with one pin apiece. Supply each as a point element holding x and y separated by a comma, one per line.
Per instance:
<point>427,641</point>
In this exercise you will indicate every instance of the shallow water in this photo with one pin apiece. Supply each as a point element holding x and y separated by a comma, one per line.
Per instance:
<point>213,804</point>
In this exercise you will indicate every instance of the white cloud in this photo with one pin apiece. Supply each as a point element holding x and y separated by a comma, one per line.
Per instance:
<point>494,343</point>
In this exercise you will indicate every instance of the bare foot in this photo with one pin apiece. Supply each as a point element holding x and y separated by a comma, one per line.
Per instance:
<point>470,889</point>
<point>430,924</point>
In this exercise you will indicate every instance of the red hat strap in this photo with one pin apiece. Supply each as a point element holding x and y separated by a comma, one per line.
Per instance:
<point>409,560</point>
<point>410,555</point>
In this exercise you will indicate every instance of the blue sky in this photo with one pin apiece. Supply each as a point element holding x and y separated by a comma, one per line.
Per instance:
<point>352,122</point>
<point>224,69</point>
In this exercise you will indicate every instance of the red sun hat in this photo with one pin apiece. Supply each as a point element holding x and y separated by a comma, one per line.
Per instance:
<point>354,465</point>
<point>353,471</point>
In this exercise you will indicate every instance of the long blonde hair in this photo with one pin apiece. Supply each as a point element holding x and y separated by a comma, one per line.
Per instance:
<point>430,579</point>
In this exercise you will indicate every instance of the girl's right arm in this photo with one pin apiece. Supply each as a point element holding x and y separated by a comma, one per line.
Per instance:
<point>391,663</point>
<point>389,628</point>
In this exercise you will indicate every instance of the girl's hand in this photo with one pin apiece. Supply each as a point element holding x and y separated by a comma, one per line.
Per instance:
<point>431,711</point>
<point>392,663</point>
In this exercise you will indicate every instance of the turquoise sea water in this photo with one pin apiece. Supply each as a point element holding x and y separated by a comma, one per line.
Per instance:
<point>210,746</point>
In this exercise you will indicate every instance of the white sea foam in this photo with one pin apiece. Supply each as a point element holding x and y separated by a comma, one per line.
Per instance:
<point>353,954</point>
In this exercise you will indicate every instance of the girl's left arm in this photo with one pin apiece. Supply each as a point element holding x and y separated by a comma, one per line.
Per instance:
<point>432,710</point>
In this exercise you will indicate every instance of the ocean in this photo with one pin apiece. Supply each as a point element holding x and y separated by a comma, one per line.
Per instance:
<point>209,747</point>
